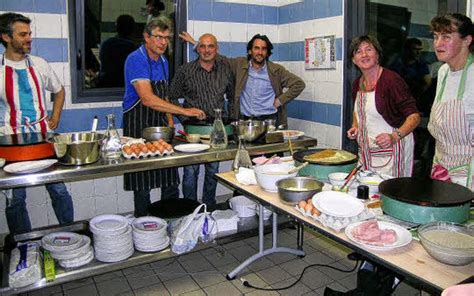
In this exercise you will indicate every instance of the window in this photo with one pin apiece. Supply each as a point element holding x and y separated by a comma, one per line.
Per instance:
<point>396,26</point>
<point>102,34</point>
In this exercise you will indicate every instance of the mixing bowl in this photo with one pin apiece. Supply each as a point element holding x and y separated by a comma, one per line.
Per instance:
<point>448,242</point>
<point>250,130</point>
<point>158,132</point>
<point>267,175</point>
<point>295,189</point>
<point>77,148</point>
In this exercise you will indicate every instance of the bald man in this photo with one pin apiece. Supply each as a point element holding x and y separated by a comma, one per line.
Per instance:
<point>204,83</point>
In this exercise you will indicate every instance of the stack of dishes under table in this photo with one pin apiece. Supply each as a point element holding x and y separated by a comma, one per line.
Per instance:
<point>68,248</point>
<point>112,238</point>
<point>149,234</point>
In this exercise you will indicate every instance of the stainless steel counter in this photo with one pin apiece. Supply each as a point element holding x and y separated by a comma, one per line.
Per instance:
<point>102,169</point>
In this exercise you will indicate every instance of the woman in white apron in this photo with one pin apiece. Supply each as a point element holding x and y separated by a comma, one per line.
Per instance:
<point>385,113</point>
<point>452,115</point>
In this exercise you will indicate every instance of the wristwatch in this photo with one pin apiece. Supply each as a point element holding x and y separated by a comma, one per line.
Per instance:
<point>399,134</point>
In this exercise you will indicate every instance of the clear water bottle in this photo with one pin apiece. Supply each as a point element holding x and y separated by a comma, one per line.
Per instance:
<point>242,157</point>
<point>111,147</point>
<point>218,134</point>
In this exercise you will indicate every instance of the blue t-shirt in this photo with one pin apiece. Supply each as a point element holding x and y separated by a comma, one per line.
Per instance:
<point>139,66</point>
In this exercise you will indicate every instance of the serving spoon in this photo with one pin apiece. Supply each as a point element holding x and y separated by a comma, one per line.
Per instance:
<point>296,169</point>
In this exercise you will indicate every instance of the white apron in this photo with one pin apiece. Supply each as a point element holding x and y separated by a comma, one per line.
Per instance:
<point>22,97</point>
<point>396,161</point>
<point>449,126</point>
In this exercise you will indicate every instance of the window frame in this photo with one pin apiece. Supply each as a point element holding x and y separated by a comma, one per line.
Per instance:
<point>79,94</point>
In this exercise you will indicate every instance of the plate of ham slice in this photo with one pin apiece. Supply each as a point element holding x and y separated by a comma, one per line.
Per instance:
<point>378,235</point>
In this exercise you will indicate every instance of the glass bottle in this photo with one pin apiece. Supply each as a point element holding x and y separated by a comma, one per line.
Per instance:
<point>242,157</point>
<point>218,134</point>
<point>111,147</point>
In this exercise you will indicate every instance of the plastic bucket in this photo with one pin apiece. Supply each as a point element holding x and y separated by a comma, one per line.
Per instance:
<point>243,206</point>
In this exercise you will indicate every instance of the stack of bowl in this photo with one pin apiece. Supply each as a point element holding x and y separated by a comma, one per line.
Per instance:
<point>112,238</point>
<point>149,234</point>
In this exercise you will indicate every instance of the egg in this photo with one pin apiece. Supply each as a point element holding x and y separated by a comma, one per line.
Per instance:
<point>168,147</point>
<point>127,150</point>
<point>136,150</point>
<point>308,207</point>
<point>156,143</point>
<point>315,212</point>
<point>148,145</point>
<point>302,204</point>
<point>133,146</point>
<point>144,149</point>
<point>161,149</point>
<point>152,148</point>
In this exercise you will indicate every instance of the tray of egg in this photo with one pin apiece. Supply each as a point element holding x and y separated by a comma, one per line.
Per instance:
<point>307,208</point>
<point>146,149</point>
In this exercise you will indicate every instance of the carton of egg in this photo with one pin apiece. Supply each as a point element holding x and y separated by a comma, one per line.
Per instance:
<point>337,223</point>
<point>133,150</point>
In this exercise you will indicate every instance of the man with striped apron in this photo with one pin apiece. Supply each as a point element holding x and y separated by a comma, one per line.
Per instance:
<point>145,105</point>
<point>24,80</point>
<point>452,129</point>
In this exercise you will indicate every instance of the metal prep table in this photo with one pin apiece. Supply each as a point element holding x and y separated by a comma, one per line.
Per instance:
<point>102,169</point>
<point>411,261</point>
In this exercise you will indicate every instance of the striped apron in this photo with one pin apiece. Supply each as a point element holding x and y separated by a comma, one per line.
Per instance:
<point>396,161</point>
<point>135,120</point>
<point>449,126</point>
<point>22,104</point>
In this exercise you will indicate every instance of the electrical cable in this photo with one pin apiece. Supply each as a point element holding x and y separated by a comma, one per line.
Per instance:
<point>249,285</point>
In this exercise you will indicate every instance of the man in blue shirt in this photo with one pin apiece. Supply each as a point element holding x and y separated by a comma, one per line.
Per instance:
<point>145,104</point>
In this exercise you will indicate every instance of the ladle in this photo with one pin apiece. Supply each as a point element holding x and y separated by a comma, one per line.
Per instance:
<point>296,169</point>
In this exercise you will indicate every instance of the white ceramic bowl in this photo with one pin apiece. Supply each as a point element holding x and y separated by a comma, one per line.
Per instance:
<point>267,175</point>
<point>372,183</point>
<point>337,179</point>
<point>193,138</point>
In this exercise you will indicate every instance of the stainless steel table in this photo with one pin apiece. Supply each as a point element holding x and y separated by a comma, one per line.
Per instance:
<point>103,169</point>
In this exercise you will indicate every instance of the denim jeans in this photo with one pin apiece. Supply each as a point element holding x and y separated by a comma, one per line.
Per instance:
<point>190,178</point>
<point>141,199</point>
<point>17,214</point>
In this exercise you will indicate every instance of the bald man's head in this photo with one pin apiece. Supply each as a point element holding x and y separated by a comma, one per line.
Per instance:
<point>207,48</point>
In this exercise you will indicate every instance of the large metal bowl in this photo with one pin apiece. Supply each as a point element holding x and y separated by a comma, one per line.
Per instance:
<point>442,241</point>
<point>250,130</point>
<point>77,148</point>
<point>295,189</point>
<point>158,132</point>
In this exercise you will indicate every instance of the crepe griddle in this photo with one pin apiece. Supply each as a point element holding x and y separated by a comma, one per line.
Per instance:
<point>426,192</point>
<point>299,156</point>
<point>26,146</point>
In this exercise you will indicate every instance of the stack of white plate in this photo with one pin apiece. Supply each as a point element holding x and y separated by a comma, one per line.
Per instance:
<point>149,234</point>
<point>112,238</point>
<point>69,248</point>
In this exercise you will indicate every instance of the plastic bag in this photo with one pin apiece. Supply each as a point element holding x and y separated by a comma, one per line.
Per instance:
<point>186,231</point>
<point>25,265</point>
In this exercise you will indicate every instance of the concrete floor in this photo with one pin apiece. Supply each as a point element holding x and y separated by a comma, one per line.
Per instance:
<point>203,272</point>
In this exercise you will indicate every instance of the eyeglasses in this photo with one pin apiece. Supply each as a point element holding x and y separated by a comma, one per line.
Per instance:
<point>161,37</point>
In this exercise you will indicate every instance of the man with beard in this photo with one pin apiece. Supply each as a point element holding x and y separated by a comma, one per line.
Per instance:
<point>24,80</point>
<point>259,83</point>
<point>205,82</point>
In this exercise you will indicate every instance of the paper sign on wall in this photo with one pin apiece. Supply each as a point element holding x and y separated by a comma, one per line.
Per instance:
<point>320,53</point>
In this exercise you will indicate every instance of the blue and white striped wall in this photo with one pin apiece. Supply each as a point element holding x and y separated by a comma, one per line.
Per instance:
<point>317,111</point>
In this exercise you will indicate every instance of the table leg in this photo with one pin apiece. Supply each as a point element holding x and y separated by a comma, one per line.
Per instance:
<point>274,249</point>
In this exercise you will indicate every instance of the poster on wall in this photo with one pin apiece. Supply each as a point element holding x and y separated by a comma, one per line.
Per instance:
<point>320,53</point>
